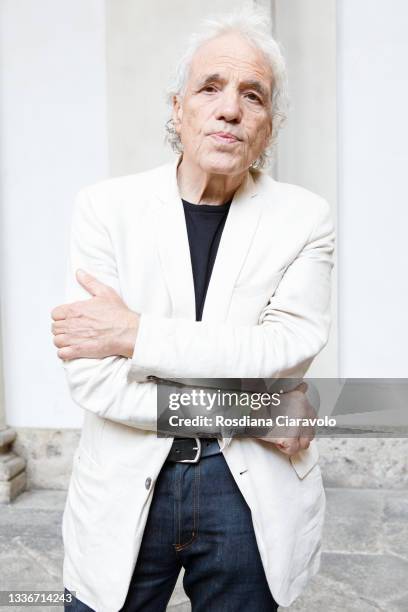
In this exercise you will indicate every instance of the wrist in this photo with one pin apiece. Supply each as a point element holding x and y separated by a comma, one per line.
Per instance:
<point>130,334</point>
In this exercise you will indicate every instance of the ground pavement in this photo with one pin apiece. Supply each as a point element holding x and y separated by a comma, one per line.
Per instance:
<point>364,564</point>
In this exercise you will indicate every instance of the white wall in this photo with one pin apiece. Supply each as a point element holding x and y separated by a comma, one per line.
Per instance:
<point>373,200</point>
<point>53,141</point>
<point>57,107</point>
<point>307,149</point>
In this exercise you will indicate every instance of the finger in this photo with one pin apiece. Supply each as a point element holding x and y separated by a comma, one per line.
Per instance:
<point>291,447</point>
<point>59,312</point>
<point>75,325</point>
<point>62,340</point>
<point>307,432</point>
<point>67,311</point>
<point>270,440</point>
<point>310,433</point>
<point>59,327</point>
<point>90,349</point>
<point>304,443</point>
<point>282,442</point>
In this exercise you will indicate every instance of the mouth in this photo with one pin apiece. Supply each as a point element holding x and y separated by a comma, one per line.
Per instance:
<point>225,137</point>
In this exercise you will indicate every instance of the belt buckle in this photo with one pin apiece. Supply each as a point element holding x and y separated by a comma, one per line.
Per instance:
<point>198,454</point>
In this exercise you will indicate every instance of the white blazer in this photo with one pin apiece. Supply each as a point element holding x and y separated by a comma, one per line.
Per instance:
<point>266,315</point>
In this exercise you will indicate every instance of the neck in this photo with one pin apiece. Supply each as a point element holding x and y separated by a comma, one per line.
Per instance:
<point>200,187</point>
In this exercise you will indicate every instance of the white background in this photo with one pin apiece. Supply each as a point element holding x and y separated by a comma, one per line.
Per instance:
<point>72,111</point>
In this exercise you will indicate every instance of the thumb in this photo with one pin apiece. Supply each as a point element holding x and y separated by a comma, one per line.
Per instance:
<point>90,283</point>
<point>303,387</point>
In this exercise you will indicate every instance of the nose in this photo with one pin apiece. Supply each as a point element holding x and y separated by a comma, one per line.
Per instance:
<point>229,107</point>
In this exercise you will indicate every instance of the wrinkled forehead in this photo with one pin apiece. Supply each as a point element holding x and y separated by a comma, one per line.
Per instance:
<point>231,56</point>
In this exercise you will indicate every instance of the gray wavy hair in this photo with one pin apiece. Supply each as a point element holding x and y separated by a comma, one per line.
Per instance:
<point>255,26</point>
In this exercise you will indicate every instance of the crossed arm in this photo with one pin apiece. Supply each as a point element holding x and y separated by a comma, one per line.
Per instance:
<point>108,351</point>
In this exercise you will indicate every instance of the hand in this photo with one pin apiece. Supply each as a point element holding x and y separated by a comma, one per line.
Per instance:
<point>295,405</point>
<point>96,328</point>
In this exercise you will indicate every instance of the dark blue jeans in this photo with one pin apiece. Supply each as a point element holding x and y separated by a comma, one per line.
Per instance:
<point>198,520</point>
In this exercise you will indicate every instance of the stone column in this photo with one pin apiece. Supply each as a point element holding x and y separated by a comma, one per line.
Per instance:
<point>12,467</point>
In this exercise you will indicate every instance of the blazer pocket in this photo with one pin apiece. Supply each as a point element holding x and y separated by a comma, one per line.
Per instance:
<point>305,460</point>
<point>83,499</point>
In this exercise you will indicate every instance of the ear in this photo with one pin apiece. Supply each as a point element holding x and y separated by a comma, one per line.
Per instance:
<point>268,136</point>
<point>177,114</point>
<point>270,129</point>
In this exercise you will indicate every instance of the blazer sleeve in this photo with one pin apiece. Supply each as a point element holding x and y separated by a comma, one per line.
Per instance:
<point>106,387</point>
<point>292,328</point>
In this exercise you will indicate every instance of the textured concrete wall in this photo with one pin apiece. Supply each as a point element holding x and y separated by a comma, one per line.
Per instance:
<point>49,454</point>
<point>365,462</point>
<point>360,463</point>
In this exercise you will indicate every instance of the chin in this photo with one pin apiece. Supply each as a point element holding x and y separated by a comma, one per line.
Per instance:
<point>223,163</point>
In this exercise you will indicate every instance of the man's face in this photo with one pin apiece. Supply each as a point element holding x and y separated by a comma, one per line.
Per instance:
<point>224,117</point>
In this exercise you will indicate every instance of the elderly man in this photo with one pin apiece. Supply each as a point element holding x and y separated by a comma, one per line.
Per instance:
<point>205,267</point>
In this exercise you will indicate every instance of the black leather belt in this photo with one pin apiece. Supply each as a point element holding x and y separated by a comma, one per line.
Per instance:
<point>191,450</point>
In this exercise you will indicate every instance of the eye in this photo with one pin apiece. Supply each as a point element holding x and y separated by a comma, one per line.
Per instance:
<point>209,88</point>
<point>254,97</point>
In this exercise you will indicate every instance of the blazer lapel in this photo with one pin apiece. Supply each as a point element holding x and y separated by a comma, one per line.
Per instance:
<point>173,247</point>
<point>239,230</point>
<point>172,242</point>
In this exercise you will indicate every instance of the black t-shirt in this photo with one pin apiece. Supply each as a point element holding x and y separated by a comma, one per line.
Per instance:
<point>205,223</point>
